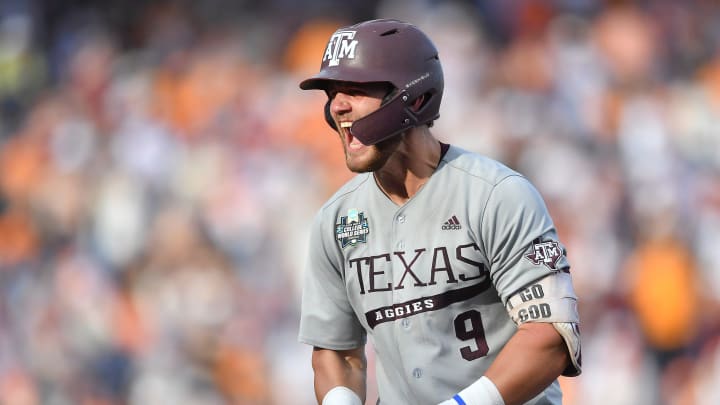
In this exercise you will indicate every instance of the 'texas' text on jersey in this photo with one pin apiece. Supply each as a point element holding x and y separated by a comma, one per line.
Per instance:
<point>438,270</point>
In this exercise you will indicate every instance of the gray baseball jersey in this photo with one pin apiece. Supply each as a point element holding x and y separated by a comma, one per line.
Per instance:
<point>429,279</point>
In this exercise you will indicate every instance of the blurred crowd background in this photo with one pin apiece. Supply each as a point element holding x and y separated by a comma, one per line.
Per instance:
<point>159,168</point>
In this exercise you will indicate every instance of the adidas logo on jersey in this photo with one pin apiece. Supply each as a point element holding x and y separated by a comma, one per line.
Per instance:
<point>452,223</point>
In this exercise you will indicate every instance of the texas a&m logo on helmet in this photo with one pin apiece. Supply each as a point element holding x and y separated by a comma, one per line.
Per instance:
<point>341,45</point>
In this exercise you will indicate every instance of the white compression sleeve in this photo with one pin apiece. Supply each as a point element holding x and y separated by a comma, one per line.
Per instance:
<point>481,392</point>
<point>341,396</point>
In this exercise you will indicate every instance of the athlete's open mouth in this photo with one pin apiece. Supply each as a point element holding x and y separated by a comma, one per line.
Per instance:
<point>351,141</point>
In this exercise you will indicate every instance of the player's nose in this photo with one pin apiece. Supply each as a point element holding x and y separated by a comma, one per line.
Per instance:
<point>340,103</point>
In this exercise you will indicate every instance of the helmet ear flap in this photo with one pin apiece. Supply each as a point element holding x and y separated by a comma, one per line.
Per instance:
<point>328,117</point>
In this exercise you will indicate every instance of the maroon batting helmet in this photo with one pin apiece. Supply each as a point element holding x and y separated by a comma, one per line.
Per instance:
<point>389,51</point>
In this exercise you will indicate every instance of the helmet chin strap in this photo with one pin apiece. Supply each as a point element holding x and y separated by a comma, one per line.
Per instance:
<point>395,116</point>
<point>389,120</point>
<point>329,119</point>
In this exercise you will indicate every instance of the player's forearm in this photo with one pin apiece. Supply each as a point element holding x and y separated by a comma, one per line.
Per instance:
<point>531,360</point>
<point>345,368</point>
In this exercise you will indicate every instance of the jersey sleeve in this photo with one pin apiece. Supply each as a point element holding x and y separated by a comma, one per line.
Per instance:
<point>327,319</point>
<point>519,236</point>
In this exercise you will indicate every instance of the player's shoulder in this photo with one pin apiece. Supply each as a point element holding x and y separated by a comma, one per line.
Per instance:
<point>352,189</point>
<point>477,166</point>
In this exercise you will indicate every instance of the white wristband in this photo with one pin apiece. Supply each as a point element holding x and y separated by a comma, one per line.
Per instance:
<point>481,392</point>
<point>341,396</point>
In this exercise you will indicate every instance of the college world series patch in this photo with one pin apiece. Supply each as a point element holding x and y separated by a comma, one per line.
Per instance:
<point>352,229</point>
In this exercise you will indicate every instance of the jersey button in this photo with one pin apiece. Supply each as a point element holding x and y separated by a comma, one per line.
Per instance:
<point>401,245</point>
<point>417,373</point>
<point>401,219</point>
<point>405,323</point>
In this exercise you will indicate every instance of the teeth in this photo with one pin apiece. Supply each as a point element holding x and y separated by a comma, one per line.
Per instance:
<point>346,124</point>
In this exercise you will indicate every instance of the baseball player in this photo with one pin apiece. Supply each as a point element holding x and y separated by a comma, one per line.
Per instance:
<point>447,259</point>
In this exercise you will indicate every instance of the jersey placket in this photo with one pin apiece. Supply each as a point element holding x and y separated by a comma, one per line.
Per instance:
<point>402,328</point>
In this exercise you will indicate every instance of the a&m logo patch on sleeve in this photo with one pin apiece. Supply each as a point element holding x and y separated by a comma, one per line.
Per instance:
<point>545,252</point>
<point>352,229</point>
